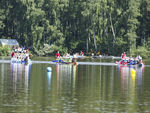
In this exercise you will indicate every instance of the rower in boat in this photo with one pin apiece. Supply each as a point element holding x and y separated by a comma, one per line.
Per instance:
<point>130,60</point>
<point>123,57</point>
<point>57,54</point>
<point>140,62</point>
<point>66,59</point>
<point>20,56</point>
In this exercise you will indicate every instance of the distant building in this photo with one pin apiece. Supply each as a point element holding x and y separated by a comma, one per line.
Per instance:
<point>9,43</point>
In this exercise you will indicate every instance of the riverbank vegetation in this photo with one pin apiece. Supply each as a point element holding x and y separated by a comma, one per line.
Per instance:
<point>108,26</point>
<point>5,51</point>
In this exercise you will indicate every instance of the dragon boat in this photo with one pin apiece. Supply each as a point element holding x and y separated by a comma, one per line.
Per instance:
<point>25,61</point>
<point>130,63</point>
<point>65,60</point>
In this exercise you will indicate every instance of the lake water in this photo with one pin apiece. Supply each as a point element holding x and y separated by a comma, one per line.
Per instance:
<point>73,89</point>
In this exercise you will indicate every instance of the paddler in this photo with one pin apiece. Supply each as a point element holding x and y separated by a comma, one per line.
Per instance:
<point>57,54</point>
<point>123,57</point>
<point>139,59</point>
<point>81,53</point>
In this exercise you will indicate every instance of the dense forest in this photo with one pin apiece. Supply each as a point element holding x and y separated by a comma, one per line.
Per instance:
<point>108,26</point>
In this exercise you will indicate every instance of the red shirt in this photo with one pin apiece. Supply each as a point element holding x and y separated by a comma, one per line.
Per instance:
<point>123,56</point>
<point>57,55</point>
<point>82,53</point>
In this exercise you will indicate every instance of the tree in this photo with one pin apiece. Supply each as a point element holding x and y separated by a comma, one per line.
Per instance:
<point>132,24</point>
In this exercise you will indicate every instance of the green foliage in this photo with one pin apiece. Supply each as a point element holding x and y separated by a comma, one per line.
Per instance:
<point>66,25</point>
<point>120,46</point>
<point>5,51</point>
<point>49,50</point>
<point>142,51</point>
<point>2,18</point>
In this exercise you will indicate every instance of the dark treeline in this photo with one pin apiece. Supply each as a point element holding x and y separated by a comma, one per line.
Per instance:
<point>111,26</point>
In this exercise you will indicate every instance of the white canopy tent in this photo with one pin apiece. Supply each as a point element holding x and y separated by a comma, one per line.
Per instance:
<point>9,42</point>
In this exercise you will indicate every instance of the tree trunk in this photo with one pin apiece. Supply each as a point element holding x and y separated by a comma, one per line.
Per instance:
<point>112,29</point>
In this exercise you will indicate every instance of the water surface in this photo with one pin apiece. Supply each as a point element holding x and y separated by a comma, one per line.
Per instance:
<point>73,89</point>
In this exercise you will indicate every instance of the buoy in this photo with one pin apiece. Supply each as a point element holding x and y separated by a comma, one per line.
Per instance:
<point>49,69</point>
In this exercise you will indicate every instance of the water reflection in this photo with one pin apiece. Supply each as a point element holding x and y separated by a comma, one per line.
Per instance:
<point>20,75</point>
<point>69,88</point>
<point>49,77</point>
<point>65,75</point>
<point>131,79</point>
